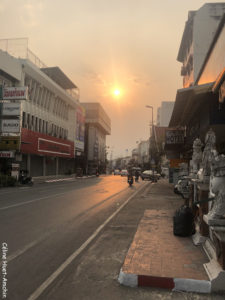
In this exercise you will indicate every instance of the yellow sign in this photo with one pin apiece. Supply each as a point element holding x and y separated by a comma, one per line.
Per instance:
<point>9,143</point>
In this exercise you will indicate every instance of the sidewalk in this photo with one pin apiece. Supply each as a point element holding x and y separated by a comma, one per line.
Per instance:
<point>157,258</point>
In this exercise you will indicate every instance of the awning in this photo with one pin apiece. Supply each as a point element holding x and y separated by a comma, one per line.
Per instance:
<point>187,101</point>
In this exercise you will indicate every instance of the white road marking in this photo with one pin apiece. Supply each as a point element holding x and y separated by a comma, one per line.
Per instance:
<point>31,201</point>
<point>57,272</point>
<point>62,179</point>
<point>21,251</point>
<point>27,247</point>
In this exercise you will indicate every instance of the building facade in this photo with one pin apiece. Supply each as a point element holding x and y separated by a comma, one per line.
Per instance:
<point>39,129</point>
<point>164,113</point>
<point>200,106</point>
<point>97,127</point>
<point>198,34</point>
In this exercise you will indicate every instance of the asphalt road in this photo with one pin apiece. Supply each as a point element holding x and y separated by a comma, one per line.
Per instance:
<point>44,225</point>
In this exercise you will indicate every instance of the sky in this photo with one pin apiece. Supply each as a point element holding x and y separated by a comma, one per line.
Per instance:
<point>107,45</point>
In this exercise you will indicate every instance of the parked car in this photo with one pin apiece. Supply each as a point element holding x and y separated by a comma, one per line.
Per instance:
<point>147,175</point>
<point>116,172</point>
<point>150,175</point>
<point>124,173</point>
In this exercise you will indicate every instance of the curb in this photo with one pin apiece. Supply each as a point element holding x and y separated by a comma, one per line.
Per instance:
<point>173,284</point>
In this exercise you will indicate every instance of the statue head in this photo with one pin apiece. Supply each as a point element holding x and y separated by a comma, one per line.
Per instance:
<point>210,138</point>
<point>218,165</point>
<point>197,145</point>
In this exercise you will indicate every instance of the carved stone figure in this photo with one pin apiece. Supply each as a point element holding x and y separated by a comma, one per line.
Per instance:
<point>208,153</point>
<point>196,161</point>
<point>217,187</point>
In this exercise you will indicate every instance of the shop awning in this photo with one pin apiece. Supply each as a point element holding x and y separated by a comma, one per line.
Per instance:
<point>187,101</point>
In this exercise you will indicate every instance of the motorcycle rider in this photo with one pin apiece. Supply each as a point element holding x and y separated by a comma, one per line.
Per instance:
<point>136,175</point>
<point>130,179</point>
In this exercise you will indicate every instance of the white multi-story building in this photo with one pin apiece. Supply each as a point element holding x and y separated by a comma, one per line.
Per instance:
<point>198,34</point>
<point>38,130</point>
<point>143,153</point>
<point>164,113</point>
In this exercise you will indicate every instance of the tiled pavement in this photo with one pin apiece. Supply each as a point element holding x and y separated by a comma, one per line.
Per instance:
<point>158,258</point>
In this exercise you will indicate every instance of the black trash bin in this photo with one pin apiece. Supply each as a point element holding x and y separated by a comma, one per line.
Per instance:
<point>183,222</point>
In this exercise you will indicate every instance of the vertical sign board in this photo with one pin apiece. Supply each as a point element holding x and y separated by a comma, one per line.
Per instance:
<point>11,109</point>
<point>15,93</point>
<point>10,126</point>
<point>80,129</point>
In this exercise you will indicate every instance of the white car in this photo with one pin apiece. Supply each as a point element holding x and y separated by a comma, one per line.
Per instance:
<point>124,173</point>
<point>116,172</point>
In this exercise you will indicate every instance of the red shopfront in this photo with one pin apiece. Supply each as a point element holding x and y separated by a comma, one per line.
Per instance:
<point>46,155</point>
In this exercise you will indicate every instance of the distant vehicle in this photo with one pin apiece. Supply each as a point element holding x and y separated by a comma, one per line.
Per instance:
<point>150,175</point>
<point>147,175</point>
<point>117,172</point>
<point>124,173</point>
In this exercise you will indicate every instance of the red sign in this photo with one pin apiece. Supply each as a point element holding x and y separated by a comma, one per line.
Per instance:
<point>39,143</point>
<point>6,154</point>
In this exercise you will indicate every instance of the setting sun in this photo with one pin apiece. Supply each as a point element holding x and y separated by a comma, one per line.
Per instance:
<point>116,92</point>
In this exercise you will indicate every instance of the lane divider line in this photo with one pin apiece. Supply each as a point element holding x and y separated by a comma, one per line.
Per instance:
<point>30,245</point>
<point>63,266</point>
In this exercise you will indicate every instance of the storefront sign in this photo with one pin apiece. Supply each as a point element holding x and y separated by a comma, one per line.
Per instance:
<point>10,109</point>
<point>42,144</point>
<point>6,154</point>
<point>10,126</point>
<point>9,143</point>
<point>174,136</point>
<point>15,93</point>
<point>80,127</point>
<point>45,145</point>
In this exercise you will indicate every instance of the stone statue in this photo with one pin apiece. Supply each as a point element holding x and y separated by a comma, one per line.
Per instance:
<point>217,187</point>
<point>196,161</point>
<point>210,147</point>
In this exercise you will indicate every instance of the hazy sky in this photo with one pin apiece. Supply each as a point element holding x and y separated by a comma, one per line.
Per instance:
<point>101,45</point>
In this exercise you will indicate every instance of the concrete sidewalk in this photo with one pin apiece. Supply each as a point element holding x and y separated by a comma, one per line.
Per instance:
<point>159,259</point>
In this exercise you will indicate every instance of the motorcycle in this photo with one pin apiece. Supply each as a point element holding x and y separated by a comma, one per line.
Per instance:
<point>24,179</point>
<point>130,180</point>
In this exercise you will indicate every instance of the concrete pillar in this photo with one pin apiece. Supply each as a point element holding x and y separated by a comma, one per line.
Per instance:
<point>57,166</point>
<point>28,164</point>
<point>44,165</point>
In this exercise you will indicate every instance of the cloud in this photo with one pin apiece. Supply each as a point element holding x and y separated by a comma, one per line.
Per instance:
<point>140,81</point>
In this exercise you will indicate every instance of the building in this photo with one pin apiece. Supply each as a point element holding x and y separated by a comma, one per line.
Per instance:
<point>198,34</point>
<point>38,115</point>
<point>143,154</point>
<point>97,127</point>
<point>200,106</point>
<point>164,113</point>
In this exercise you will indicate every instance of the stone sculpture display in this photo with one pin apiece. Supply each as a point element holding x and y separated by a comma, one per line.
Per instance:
<point>208,154</point>
<point>196,161</point>
<point>217,188</point>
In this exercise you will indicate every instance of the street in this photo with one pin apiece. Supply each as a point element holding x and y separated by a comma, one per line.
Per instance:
<point>46,223</point>
<point>68,240</point>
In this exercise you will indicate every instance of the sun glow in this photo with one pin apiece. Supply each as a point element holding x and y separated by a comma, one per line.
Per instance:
<point>116,92</point>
